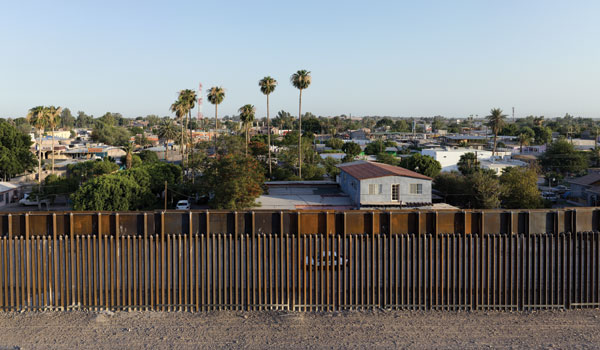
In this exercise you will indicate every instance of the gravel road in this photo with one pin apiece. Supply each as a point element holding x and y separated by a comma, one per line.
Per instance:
<point>579,329</point>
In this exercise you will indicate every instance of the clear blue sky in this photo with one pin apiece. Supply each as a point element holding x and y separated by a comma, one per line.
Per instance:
<point>399,58</point>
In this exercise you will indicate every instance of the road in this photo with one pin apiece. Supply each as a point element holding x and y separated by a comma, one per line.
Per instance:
<point>578,329</point>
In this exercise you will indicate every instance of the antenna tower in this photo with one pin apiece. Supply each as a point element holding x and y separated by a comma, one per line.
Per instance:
<point>200,116</point>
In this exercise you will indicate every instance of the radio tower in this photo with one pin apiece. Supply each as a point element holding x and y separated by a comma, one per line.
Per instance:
<point>200,116</point>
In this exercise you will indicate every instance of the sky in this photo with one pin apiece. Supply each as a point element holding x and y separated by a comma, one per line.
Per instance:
<point>396,58</point>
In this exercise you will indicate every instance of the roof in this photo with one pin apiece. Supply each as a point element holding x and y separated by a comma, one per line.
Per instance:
<point>586,180</point>
<point>362,170</point>
<point>7,186</point>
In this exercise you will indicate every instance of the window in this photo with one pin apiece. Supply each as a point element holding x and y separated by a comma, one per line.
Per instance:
<point>375,189</point>
<point>416,188</point>
<point>395,192</point>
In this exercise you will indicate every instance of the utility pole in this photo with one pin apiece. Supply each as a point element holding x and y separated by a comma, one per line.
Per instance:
<point>165,195</point>
<point>513,114</point>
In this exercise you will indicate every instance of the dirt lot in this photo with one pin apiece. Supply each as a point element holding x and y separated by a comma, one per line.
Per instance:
<point>291,330</point>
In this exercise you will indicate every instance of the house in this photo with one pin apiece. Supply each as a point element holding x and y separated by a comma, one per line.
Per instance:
<point>378,185</point>
<point>449,157</point>
<point>585,190</point>
<point>8,193</point>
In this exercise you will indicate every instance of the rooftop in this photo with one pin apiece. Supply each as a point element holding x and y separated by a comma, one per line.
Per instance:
<point>362,170</point>
<point>586,180</point>
<point>284,195</point>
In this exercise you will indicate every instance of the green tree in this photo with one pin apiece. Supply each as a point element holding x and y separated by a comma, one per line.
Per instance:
<point>189,99</point>
<point>247,112</point>
<point>543,135</point>
<point>15,154</point>
<point>496,121</point>
<point>180,109</point>
<point>166,132</point>
<point>334,143</point>
<point>561,156</point>
<point>378,146</point>
<point>115,192</point>
<point>128,155</point>
<point>267,86</point>
<point>387,158</point>
<point>525,139</point>
<point>455,189</point>
<point>216,95</point>
<point>148,156</point>
<point>300,80</point>
<point>232,182</point>
<point>110,135</point>
<point>84,171</point>
<point>421,164</point>
<point>38,118</point>
<point>83,120</point>
<point>67,121</point>
<point>468,164</point>
<point>331,169</point>
<point>352,150</point>
<point>486,190</point>
<point>519,189</point>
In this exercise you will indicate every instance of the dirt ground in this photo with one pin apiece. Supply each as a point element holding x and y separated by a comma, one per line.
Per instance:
<point>579,329</point>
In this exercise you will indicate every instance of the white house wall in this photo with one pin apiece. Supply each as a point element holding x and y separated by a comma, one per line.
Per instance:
<point>386,196</point>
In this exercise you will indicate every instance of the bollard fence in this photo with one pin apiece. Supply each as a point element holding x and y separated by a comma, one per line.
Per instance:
<point>301,272</point>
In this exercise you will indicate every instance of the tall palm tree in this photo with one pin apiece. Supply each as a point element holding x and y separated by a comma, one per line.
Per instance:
<point>496,121</point>
<point>53,121</point>
<point>166,131</point>
<point>189,96</point>
<point>267,86</point>
<point>524,139</point>
<point>247,117</point>
<point>216,95</point>
<point>301,80</point>
<point>38,118</point>
<point>179,108</point>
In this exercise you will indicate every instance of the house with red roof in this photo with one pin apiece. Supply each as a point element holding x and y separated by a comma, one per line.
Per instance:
<point>380,186</point>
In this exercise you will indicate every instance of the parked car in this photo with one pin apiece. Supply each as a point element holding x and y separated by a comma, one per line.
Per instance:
<point>551,196</point>
<point>561,189</point>
<point>183,205</point>
<point>28,200</point>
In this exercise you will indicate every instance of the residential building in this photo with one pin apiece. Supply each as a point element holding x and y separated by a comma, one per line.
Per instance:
<point>377,185</point>
<point>449,157</point>
<point>585,190</point>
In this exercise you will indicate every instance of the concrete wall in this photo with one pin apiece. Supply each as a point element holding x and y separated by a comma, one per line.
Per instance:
<point>386,195</point>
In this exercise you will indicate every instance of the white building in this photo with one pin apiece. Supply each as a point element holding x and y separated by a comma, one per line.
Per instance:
<point>377,185</point>
<point>449,157</point>
<point>499,165</point>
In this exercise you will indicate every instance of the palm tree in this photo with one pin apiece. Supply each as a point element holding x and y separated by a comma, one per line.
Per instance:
<point>53,121</point>
<point>247,117</point>
<point>189,96</point>
<point>524,139</point>
<point>38,118</point>
<point>267,86</point>
<point>216,95</point>
<point>166,131</point>
<point>301,80</point>
<point>179,108</point>
<point>128,155</point>
<point>496,121</point>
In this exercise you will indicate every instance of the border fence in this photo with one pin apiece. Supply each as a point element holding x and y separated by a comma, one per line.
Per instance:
<point>63,264</point>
